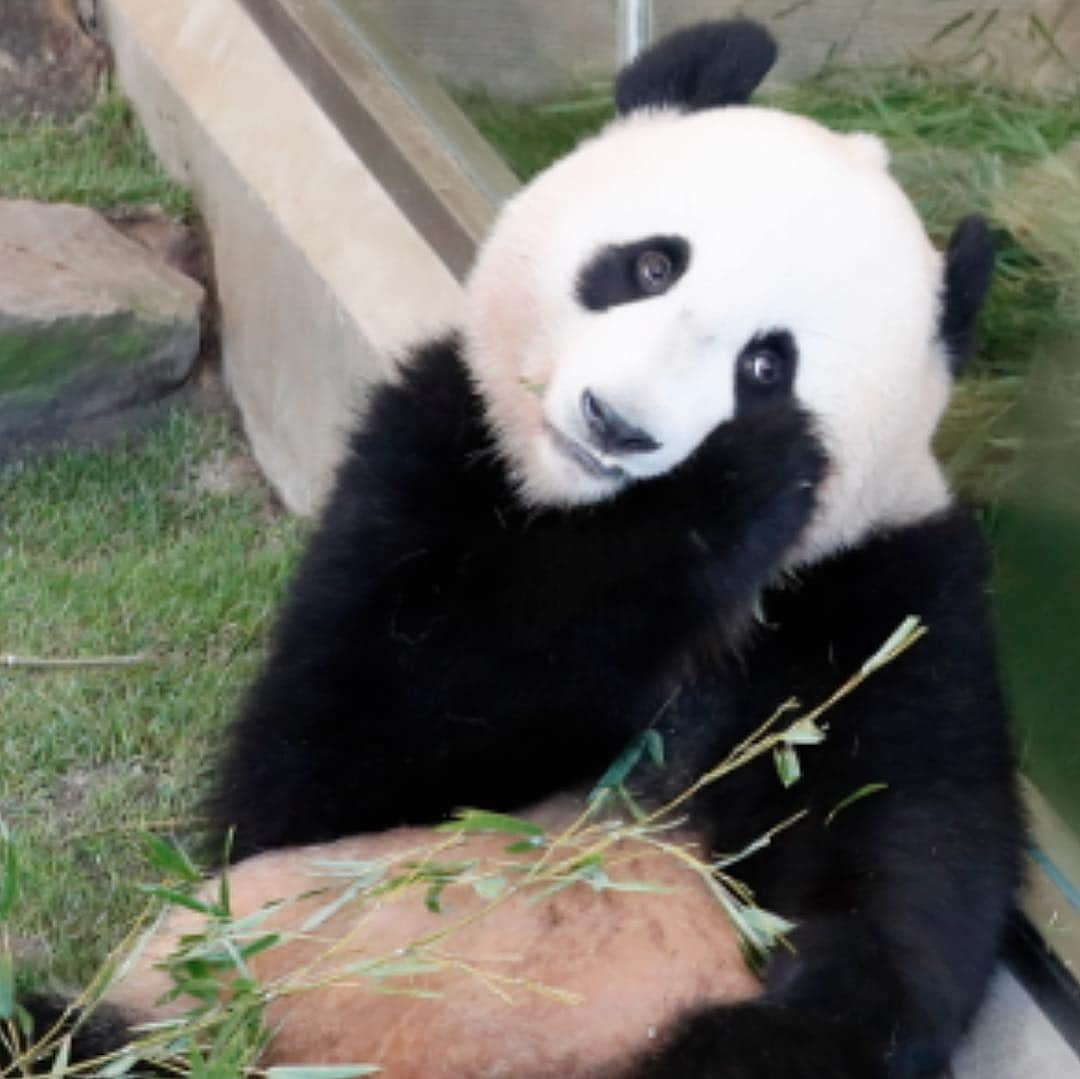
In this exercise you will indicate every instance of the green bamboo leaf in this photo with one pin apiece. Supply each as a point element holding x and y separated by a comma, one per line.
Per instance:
<point>169,859</point>
<point>620,769</point>
<point>630,802</point>
<point>479,820</point>
<point>787,764</point>
<point>654,744</point>
<point>854,796</point>
<point>261,944</point>
<point>62,1058</point>
<point>224,893</point>
<point>490,888</point>
<point>803,732</point>
<point>433,896</point>
<point>643,886</point>
<point>325,913</point>
<point>905,634</point>
<point>395,968</point>
<point>526,846</point>
<point>751,848</point>
<point>181,899</point>
<point>766,928</point>
<point>121,1065</point>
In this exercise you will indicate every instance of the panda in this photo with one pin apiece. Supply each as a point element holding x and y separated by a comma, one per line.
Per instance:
<point>674,466</point>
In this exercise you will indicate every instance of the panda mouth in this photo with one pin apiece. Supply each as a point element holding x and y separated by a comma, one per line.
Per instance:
<point>587,461</point>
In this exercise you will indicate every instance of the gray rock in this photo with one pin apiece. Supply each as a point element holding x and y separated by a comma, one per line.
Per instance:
<point>48,64</point>
<point>91,323</point>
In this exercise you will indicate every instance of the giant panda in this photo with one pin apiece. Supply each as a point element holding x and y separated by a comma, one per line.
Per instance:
<point>674,466</point>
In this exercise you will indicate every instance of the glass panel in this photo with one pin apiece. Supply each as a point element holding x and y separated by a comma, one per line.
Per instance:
<point>979,105</point>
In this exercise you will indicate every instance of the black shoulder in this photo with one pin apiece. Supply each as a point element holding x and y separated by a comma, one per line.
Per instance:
<point>421,438</point>
<point>430,402</point>
<point>701,67</point>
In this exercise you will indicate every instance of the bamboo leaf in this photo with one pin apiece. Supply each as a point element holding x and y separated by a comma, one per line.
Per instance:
<point>803,732</point>
<point>62,1058</point>
<point>627,761</point>
<point>478,820</point>
<point>787,764</point>
<point>490,888</point>
<point>181,899</point>
<point>751,848</point>
<point>526,846</point>
<point>852,798</point>
<point>121,1065</point>
<point>905,635</point>
<point>325,913</point>
<point>395,968</point>
<point>433,897</point>
<point>654,744</point>
<point>169,859</point>
<point>766,927</point>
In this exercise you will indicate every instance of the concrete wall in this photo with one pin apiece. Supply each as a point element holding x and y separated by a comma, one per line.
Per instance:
<point>322,278</point>
<point>529,48</point>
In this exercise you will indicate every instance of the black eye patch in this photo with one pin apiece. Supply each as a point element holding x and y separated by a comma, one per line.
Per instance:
<point>765,369</point>
<point>623,273</point>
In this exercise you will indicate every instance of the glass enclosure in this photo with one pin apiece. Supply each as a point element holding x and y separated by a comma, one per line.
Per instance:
<point>979,105</point>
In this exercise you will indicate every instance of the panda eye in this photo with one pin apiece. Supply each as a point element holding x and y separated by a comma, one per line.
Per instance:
<point>765,369</point>
<point>628,273</point>
<point>653,271</point>
<point>762,367</point>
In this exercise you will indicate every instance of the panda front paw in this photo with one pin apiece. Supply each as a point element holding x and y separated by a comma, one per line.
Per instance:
<point>754,488</point>
<point>762,1041</point>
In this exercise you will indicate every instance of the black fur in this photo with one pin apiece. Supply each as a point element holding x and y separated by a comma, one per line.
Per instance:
<point>699,67</point>
<point>496,654</point>
<point>443,647</point>
<point>969,267</point>
<point>102,1031</point>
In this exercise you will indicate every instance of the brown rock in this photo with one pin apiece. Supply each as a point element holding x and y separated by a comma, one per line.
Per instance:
<point>92,324</point>
<point>48,65</point>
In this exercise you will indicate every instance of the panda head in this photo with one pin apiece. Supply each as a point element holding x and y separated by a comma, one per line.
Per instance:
<point>702,258</point>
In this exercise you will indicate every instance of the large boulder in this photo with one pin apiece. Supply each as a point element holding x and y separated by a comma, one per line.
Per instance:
<point>91,323</point>
<point>48,65</point>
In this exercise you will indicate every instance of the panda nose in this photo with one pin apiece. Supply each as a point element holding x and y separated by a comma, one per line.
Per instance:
<point>610,432</point>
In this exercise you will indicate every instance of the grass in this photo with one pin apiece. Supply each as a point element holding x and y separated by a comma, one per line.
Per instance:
<point>117,552</point>
<point>101,159</point>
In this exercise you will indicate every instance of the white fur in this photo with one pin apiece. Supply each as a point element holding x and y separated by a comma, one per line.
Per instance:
<point>791,226</point>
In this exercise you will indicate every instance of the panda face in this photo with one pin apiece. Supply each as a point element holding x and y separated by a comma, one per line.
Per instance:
<point>678,270</point>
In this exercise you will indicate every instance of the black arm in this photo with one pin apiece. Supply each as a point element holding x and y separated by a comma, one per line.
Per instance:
<point>442,645</point>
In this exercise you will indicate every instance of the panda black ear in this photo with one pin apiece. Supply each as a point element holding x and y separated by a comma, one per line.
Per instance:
<point>969,266</point>
<point>701,67</point>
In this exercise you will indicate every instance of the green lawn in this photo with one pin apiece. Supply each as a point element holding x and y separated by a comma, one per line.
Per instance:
<point>101,159</point>
<point>122,551</point>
